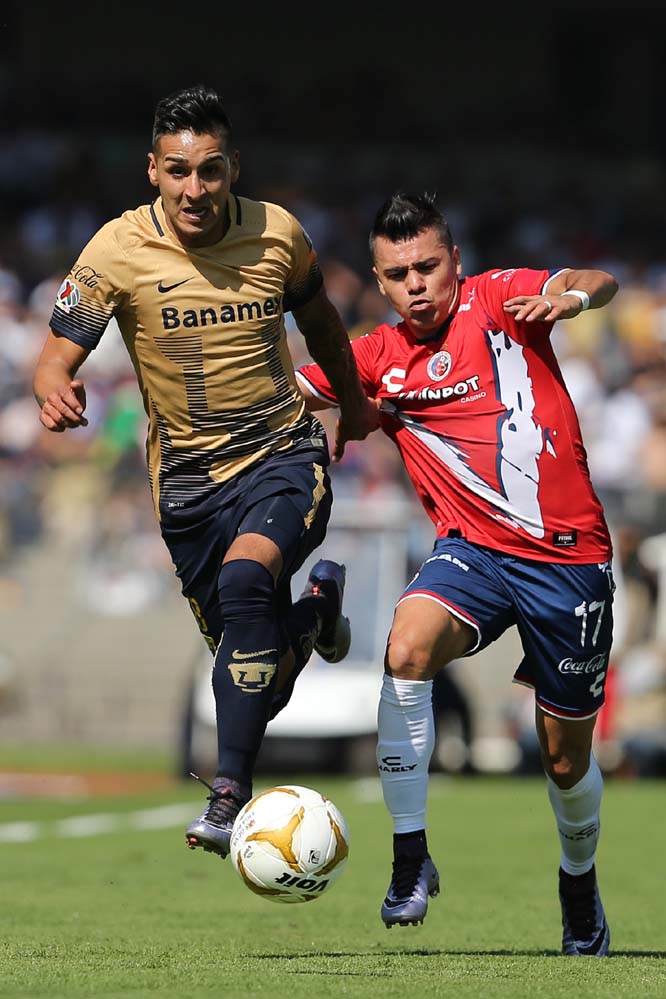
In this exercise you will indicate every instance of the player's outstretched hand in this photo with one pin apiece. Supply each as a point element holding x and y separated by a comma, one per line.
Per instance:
<point>543,308</point>
<point>355,428</point>
<point>63,408</point>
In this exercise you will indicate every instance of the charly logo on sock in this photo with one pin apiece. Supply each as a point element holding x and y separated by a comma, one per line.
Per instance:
<point>252,677</point>
<point>394,765</point>
<point>581,834</point>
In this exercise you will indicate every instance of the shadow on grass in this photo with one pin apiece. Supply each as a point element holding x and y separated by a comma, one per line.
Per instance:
<point>535,952</point>
<point>383,954</point>
<point>638,953</point>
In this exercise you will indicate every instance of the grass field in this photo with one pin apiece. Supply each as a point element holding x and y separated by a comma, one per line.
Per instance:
<point>115,908</point>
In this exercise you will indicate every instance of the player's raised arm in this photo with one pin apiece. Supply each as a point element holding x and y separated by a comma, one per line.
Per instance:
<point>61,397</point>
<point>565,296</point>
<point>326,338</point>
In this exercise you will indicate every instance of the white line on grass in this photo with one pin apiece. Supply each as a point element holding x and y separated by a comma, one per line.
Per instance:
<point>367,790</point>
<point>94,825</point>
<point>19,832</point>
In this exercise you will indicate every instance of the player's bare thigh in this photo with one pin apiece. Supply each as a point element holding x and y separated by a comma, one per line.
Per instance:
<point>424,637</point>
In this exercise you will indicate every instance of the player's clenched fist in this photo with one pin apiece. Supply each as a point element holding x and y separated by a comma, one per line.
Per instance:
<point>63,408</point>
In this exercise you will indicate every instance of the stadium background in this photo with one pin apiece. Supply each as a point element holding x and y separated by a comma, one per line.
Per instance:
<point>546,144</point>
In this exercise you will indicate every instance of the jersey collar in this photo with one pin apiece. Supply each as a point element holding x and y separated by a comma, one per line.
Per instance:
<point>438,334</point>
<point>158,219</point>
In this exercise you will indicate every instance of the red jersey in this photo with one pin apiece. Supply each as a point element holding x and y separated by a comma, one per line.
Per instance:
<point>485,425</point>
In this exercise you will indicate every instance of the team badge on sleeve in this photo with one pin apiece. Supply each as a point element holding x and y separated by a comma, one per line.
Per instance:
<point>68,295</point>
<point>439,365</point>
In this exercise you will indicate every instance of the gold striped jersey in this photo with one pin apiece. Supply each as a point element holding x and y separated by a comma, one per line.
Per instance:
<point>205,331</point>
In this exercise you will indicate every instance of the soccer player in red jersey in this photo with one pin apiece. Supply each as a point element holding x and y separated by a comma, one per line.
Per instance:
<point>470,391</point>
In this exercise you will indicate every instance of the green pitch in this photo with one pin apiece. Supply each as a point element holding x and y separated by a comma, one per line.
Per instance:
<point>131,912</point>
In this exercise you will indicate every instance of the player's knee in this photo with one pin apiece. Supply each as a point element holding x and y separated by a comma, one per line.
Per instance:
<point>567,765</point>
<point>406,660</point>
<point>245,589</point>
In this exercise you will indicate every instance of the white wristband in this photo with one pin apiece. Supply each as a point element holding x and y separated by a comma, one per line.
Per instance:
<point>583,295</point>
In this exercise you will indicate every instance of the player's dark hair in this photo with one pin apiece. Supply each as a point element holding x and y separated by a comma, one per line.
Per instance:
<point>404,216</point>
<point>194,109</point>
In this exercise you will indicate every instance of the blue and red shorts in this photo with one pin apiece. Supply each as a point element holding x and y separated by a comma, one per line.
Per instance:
<point>563,612</point>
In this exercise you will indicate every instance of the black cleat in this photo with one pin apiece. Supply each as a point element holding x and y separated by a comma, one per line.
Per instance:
<point>212,829</point>
<point>327,579</point>
<point>414,880</point>
<point>585,932</point>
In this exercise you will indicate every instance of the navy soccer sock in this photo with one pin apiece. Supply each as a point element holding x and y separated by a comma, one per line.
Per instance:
<point>245,665</point>
<point>411,844</point>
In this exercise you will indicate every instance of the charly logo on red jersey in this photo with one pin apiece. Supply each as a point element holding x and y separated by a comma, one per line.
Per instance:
<point>68,295</point>
<point>439,365</point>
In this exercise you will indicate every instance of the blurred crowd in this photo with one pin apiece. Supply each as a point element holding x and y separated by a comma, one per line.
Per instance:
<point>87,491</point>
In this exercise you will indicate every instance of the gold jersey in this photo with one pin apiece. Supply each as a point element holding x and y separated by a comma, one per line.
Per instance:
<point>204,328</point>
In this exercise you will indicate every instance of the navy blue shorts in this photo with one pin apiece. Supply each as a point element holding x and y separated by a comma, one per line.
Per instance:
<point>286,498</point>
<point>564,615</point>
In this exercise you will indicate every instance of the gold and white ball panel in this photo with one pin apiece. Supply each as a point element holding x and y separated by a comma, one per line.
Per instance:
<point>289,844</point>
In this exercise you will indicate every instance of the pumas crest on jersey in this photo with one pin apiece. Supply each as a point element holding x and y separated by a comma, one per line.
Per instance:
<point>439,365</point>
<point>68,295</point>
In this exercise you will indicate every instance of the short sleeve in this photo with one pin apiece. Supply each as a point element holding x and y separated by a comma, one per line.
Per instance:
<point>304,279</point>
<point>366,352</point>
<point>497,287</point>
<point>96,288</point>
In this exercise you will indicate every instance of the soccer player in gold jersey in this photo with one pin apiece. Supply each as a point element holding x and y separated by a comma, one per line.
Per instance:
<point>199,282</point>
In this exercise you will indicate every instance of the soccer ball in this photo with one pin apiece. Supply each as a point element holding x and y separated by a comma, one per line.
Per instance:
<point>289,844</point>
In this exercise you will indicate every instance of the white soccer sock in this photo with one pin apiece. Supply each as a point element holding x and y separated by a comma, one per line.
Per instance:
<point>577,814</point>
<point>405,744</point>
